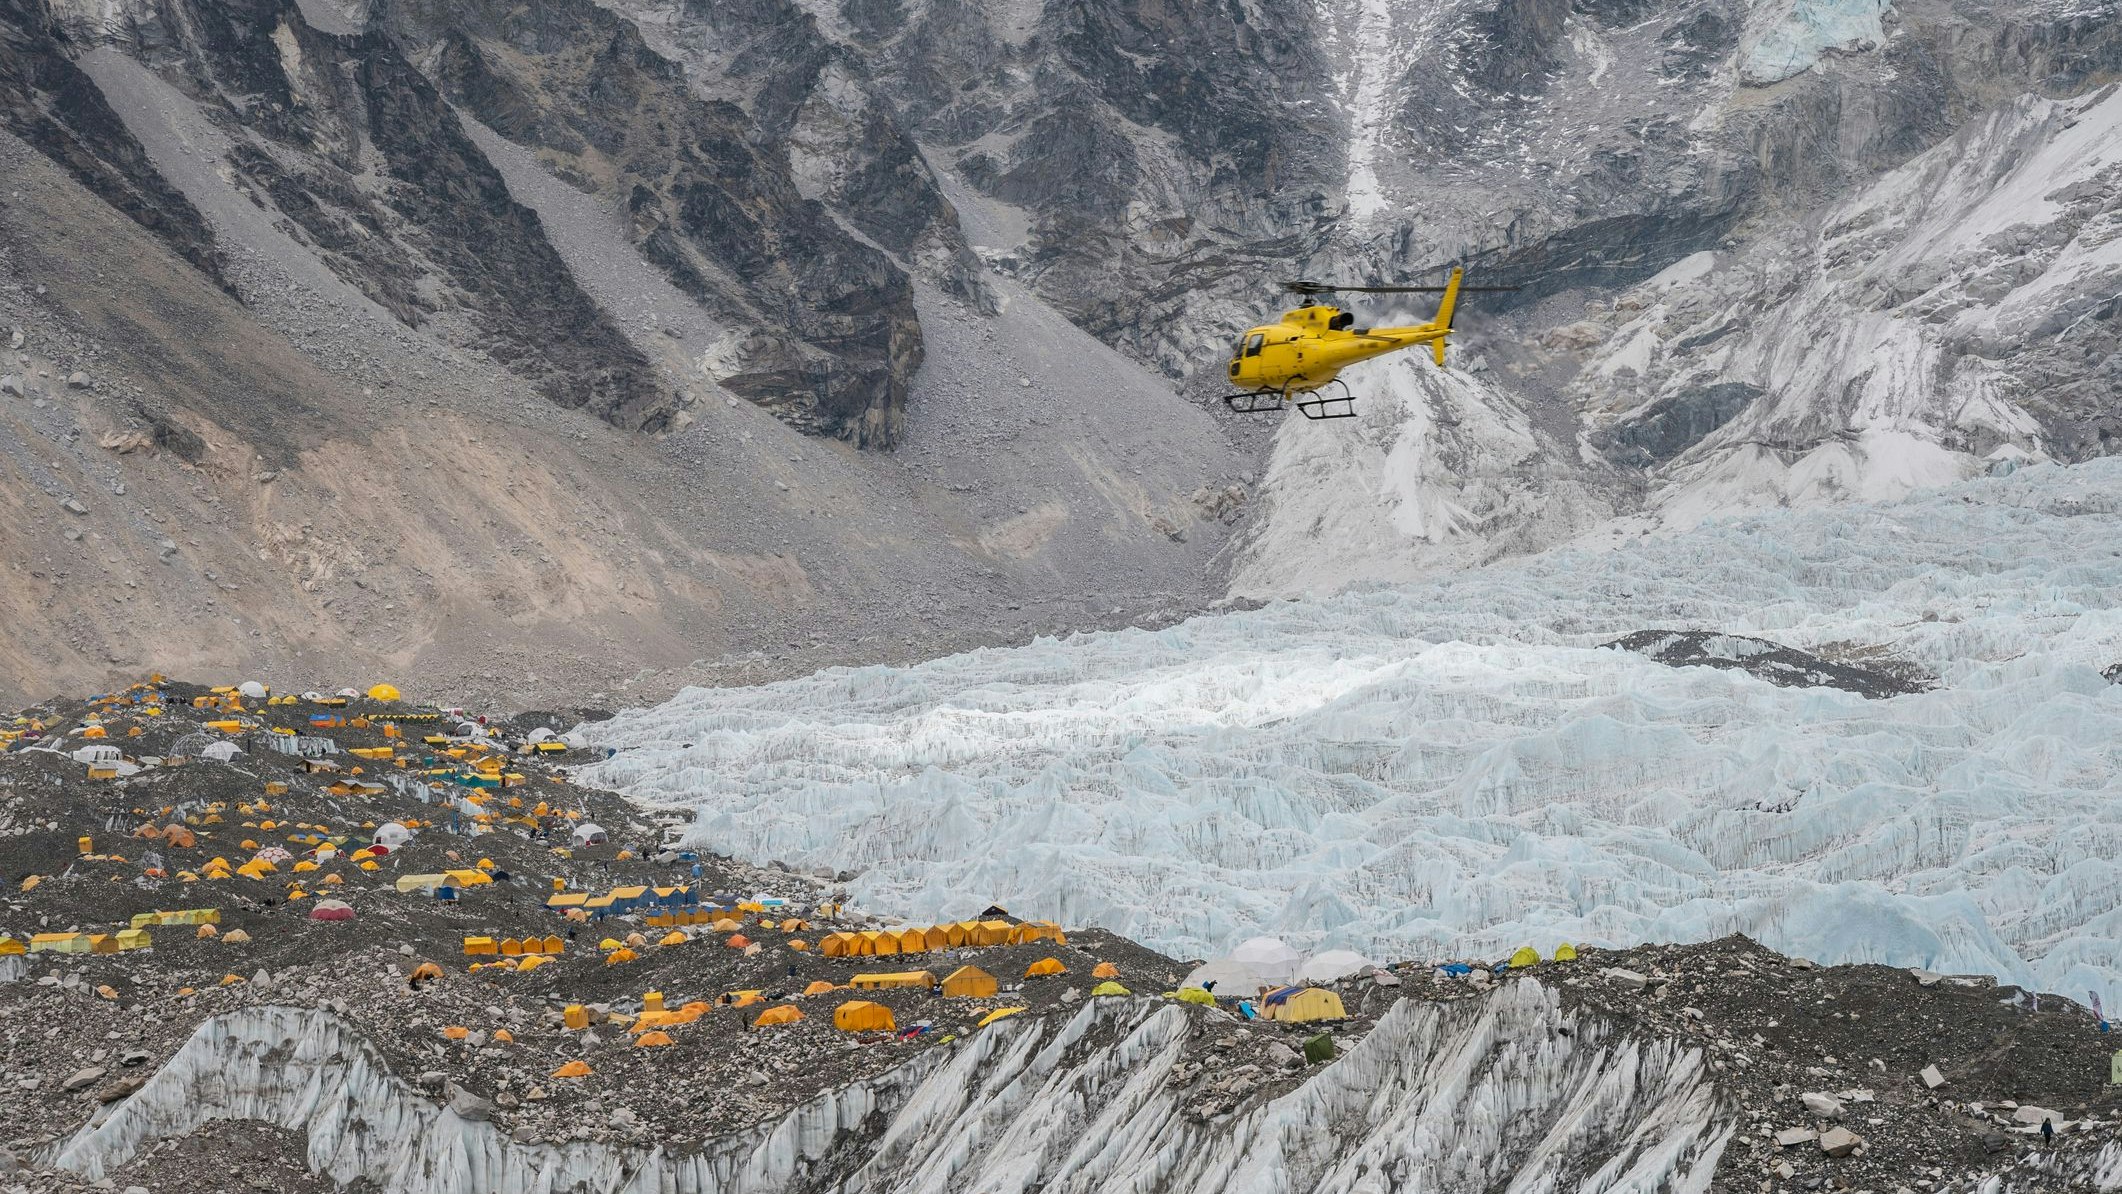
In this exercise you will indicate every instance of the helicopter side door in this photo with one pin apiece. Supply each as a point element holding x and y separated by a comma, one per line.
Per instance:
<point>1279,358</point>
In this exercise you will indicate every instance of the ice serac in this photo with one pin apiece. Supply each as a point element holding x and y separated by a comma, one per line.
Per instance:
<point>1458,768</point>
<point>1511,1089</point>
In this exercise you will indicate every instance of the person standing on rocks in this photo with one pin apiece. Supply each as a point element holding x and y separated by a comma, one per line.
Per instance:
<point>2048,1131</point>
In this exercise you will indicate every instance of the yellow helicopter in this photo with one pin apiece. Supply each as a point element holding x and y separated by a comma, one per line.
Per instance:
<point>1291,363</point>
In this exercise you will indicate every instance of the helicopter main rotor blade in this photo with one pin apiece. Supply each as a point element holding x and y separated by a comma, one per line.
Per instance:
<point>1320,288</point>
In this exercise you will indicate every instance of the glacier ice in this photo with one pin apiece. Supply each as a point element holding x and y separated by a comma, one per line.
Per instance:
<point>1453,768</point>
<point>1510,1091</point>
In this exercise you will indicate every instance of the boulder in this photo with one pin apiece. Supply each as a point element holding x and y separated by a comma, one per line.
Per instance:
<point>1629,979</point>
<point>1932,1078</point>
<point>2030,1114</point>
<point>470,1106</point>
<point>82,1079</point>
<point>10,384</point>
<point>1790,1136</point>
<point>1840,1142</point>
<point>123,1088</point>
<point>78,380</point>
<point>1826,1106</point>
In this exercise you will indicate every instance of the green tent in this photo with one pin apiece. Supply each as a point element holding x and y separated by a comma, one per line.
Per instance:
<point>1319,1048</point>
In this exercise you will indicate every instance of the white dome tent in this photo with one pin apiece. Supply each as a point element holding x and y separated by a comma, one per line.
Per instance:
<point>1230,978</point>
<point>589,833</point>
<point>392,835</point>
<point>1271,958</point>
<point>1328,965</point>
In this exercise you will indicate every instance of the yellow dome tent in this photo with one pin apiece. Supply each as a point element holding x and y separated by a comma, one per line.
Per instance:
<point>1110,988</point>
<point>1044,967</point>
<point>1526,956</point>
<point>784,1014</point>
<point>383,692</point>
<point>1194,995</point>
<point>1298,1005</point>
<point>860,1015</point>
<point>1565,952</point>
<point>1000,1013</point>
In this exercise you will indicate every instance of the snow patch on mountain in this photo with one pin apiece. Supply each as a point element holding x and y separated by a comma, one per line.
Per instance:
<point>1455,768</point>
<point>1438,471</point>
<point>1934,326</point>
<point>1796,33</point>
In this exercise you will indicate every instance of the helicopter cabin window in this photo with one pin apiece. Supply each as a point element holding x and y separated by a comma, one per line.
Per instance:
<point>1253,343</point>
<point>1343,321</point>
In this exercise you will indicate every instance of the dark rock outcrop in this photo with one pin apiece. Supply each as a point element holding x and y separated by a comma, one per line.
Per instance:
<point>46,100</point>
<point>1785,667</point>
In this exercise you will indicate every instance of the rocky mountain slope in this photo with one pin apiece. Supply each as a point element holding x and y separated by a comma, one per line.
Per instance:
<point>949,261</point>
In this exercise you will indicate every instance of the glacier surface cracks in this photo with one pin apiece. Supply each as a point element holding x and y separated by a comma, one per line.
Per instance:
<point>1453,768</point>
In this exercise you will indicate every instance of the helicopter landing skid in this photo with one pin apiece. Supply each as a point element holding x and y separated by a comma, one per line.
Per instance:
<point>1255,402</point>
<point>1319,404</point>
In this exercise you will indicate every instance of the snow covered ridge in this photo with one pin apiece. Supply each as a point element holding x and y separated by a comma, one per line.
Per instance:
<point>1442,1096</point>
<point>1454,768</point>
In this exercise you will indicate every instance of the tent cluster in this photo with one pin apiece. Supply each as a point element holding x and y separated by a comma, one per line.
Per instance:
<point>182,916</point>
<point>511,947</point>
<point>625,901</point>
<point>912,940</point>
<point>122,941</point>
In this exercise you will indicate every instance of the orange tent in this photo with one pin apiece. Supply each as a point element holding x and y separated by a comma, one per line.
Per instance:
<point>911,940</point>
<point>653,1040</point>
<point>860,1015</point>
<point>783,1014</point>
<point>969,982</point>
<point>991,932</point>
<point>819,987</point>
<point>422,972</point>
<point>877,944</point>
<point>738,941</point>
<point>1043,967</point>
<point>1105,970</point>
<point>577,1068</point>
<point>837,945</point>
<point>937,937</point>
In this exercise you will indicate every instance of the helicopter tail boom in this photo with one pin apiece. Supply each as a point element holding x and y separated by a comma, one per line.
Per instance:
<point>1444,316</point>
